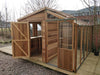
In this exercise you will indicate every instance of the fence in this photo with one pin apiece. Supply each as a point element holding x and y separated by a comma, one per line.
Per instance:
<point>84,43</point>
<point>96,36</point>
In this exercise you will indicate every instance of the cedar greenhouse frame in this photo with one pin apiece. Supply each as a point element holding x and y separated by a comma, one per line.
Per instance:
<point>59,40</point>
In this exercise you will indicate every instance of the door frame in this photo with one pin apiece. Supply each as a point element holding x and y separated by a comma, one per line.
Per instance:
<point>74,45</point>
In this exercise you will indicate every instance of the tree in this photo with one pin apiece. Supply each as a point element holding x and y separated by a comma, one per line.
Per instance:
<point>33,5</point>
<point>1,29</point>
<point>94,3</point>
<point>4,22</point>
<point>92,10</point>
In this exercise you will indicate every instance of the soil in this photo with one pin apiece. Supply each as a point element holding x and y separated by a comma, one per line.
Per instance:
<point>11,66</point>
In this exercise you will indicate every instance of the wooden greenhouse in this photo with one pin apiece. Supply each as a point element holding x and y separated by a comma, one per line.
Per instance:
<point>51,37</point>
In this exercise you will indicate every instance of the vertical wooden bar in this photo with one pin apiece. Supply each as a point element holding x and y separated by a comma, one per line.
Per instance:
<point>75,57</point>
<point>84,41</point>
<point>12,39</point>
<point>91,42</point>
<point>73,44</point>
<point>39,44</point>
<point>68,35</point>
<point>47,39</point>
<point>62,35</point>
<point>44,38</point>
<point>88,35</point>
<point>34,29</point>
<point>29,45</point>
<point>58,52</point>
<point>90,39</point>
<point>43,41</point>
<point>81,43</point>
<point>46,34</point>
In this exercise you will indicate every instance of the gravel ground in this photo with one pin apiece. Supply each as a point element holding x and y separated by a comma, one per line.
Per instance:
<point>11,66</point>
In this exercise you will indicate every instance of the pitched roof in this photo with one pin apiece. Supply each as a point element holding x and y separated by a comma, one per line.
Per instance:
<point>64,15</point>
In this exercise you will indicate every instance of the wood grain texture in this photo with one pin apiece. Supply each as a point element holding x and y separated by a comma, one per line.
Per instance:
<point>52,42</point>
<point>66,48</point>
<point>20,39</point>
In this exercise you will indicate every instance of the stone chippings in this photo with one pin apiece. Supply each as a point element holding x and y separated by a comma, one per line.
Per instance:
<point>11,66</point>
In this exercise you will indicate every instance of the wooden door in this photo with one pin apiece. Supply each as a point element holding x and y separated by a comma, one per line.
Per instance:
<point>20,39</point>
<point>52,41</point>
<point>66,38</point>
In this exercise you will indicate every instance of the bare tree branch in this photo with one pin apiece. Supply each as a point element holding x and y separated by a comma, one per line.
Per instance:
<point>33,5</point>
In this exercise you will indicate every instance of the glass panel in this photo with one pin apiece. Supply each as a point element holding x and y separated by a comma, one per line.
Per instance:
<point>65,35</point>
<point>31,30</point>
<point>51,16</point>
<point>39,29</point>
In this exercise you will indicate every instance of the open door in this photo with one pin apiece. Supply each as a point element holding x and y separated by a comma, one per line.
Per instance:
<point>20,39</point>
<point>66,45</point>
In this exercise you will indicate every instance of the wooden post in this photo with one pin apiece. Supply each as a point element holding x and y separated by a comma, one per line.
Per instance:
<point>44,39</point>
<point>34,29</point>
<point>29,42</point>
<point>12,38</point>
<point>84,41</point>
<point>87,40</point>
<point>91,38</point>
<point>58,52</point>
<point>75,57</point>
<point>44,42</point>
<point>81,43</point>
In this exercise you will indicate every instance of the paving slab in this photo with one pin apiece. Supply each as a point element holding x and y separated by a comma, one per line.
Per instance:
<point>97,69</point>
<point>6,49</point>
<point>84,72</point>
<point>89,67</point>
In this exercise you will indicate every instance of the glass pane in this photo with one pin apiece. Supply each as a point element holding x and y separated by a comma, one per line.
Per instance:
<point>51,16</point>
<point>65,35</point>
<point>31,29</point>
<point>39,29</point>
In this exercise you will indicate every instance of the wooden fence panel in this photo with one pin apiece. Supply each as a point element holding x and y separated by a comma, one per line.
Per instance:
<point>96,36</point>
<point>84,43</point>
